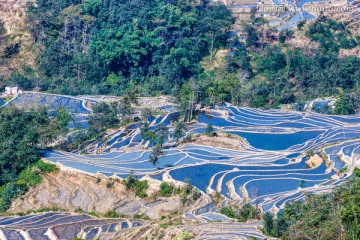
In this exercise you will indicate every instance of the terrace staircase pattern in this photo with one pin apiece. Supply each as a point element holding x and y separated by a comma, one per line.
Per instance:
<point>58,225</point>
<point>228,230</point>
<point>274,147</point>
<point>269,169</point>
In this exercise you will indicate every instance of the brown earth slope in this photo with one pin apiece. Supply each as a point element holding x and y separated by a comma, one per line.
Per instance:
<point>13,19</point>
<point>69,191</point>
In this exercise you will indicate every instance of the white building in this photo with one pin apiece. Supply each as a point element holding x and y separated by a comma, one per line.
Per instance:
<point>12,90</point>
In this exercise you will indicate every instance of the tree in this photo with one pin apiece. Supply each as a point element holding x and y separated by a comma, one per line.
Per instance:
<point>144,130</point>
<point>252,36</point>
<point>146,113</point>
<point>268,224</point>
<point>21,134</point>
<point>211,91</point>
<point>117,47</point>
<point>209,130</point>
<point>179,130</point>
<point>302,184</point>
<point>104,116</point>
<point>161,133</point>
<point>347,104</point>
<point>351,207</point>
<point>216,24</point>
<point>154,159</point>
<point>124,106</point>
<point>326,216</point>
<point>63,117</point>
<point>156,153</point>
<point>310,153</point>
<point>285,35</point>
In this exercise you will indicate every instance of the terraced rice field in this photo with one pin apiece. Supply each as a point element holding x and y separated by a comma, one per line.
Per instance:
<point>76,106</point>
<point>227,230</point>
<point>271,169</point>
<point>55,225</point>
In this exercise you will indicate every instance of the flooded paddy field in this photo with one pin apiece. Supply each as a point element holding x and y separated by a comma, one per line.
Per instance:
<point>269,166</point>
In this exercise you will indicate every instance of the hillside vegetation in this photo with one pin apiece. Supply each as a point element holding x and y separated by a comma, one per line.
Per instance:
<point>22,133</point>
<point>170,47</point>
<point>329,216</point>
<point>108,47</point>
<point>267,70</point>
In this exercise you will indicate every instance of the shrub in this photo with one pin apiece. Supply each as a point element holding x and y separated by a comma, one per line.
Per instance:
<point>98,180</point>
<point>134,184</point>
<point>310,153</point>
<point>28,177</point>
<point>111,214</point>
<point>228,211</point>
<point>94,214</point>
<point>109,184</point>
<point>46,167</point>
<point>141,216</point>
<point>79,210</point>
<point>166,189</point>
<point>242,214</point>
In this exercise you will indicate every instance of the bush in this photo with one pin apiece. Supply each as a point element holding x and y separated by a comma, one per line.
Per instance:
<point>94,214</point>
<point>134,184</point>
<point>79,210</point>
<point>98,180</point>
<point>28,177</point>
<point>141,216</point>
<point>228,211</point>
<point>140,188</point>
<point>109,184</point>
<point>46,167</point>
<point>111,214</point>
<point>166,189</point>
<point>243,214</point>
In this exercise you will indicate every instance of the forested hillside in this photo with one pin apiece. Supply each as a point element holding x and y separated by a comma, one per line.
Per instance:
<point>267,70</point>
<point>328,216</point>
<point>107,47</point>
<point>22,133</point>
<point>170,47</point>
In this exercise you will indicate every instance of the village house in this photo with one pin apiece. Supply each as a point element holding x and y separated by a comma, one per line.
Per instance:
<point>12,90</point>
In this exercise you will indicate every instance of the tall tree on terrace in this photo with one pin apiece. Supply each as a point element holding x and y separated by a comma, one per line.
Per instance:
<point>216,23</point>
<point>156,153</point>
<point>124,106</point>
<point>179,130</point>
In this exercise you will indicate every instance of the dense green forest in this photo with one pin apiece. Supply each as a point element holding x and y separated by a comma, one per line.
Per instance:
<point>109,47</point>
<point>169,47</point>
<point>22,133</point>
<point>258,74</point>
<point>333,216</point>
